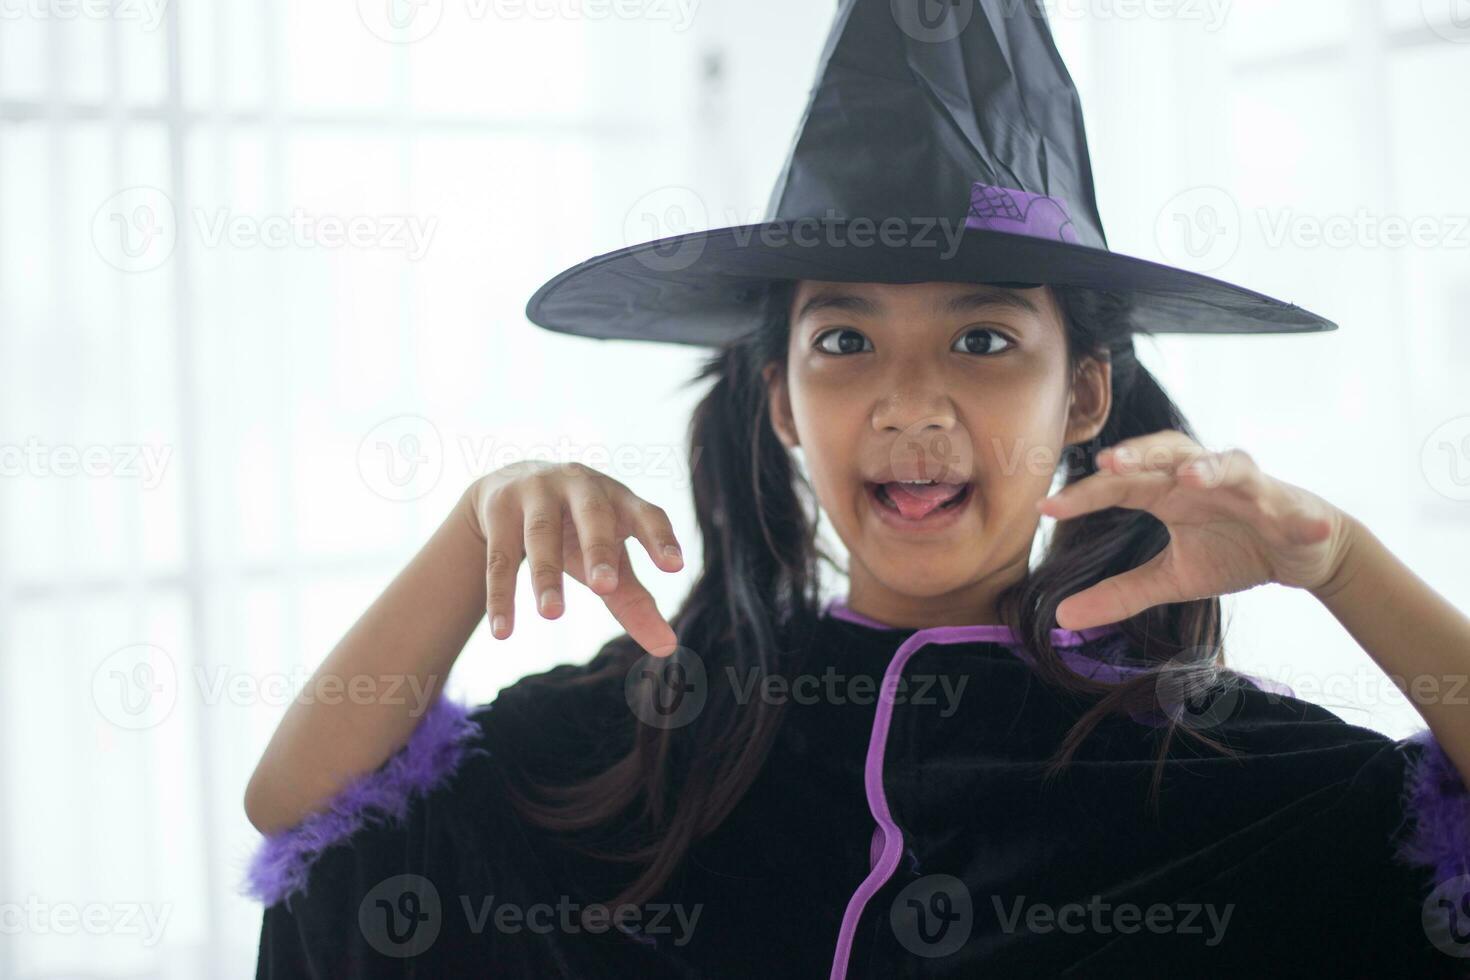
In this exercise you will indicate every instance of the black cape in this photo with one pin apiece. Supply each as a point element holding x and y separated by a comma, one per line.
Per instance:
<point>1323,848</point>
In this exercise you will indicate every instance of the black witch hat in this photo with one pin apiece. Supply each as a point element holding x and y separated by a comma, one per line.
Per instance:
<point>948,149</point>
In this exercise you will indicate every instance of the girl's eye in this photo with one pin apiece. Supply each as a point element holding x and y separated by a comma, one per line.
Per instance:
<point>850,342</point>
<point>983,345</point>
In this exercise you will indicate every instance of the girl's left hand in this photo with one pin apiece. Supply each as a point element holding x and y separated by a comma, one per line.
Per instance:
<point>1231,527</point>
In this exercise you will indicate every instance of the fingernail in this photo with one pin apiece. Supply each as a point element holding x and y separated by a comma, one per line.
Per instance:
<point>549,598</point>
<point>672,551</point>
<point>497,625</point>
<point>603,572</point>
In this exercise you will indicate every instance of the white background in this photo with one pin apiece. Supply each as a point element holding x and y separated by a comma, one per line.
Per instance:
<point>274,384</point>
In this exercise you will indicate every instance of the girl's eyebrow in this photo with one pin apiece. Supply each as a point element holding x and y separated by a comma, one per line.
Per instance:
<point>973,302</point>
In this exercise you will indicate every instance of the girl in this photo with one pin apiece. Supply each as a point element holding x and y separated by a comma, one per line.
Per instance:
<point>969,765</point>
<point>881,787</point>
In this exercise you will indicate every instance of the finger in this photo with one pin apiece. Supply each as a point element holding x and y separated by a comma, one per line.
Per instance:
<point>1246,493</point>
<point>633,607</point>
<point>654,530</point>
<point>595,517</point>
<point>1164,453</point>
<point>1117,598</point>
<point>1172,438</point>
<point>1233,469</point>
<point>503,553</point>
<point>1098,491</point>
<point>543,507</point>
<point>1284,515</point>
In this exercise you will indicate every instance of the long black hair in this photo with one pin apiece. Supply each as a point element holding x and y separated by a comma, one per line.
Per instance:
<point>757,516</point>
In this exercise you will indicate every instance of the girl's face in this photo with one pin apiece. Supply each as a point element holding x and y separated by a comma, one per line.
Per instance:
<point>967,385</point>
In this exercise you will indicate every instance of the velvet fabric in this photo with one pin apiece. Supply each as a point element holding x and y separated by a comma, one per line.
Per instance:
<point>898,829</point>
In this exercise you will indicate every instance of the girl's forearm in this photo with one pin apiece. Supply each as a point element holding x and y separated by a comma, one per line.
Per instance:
<point>366,697</point>
<point>1412,632</point>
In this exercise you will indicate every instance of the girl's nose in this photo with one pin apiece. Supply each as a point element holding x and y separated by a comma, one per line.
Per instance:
<point>913,410</point>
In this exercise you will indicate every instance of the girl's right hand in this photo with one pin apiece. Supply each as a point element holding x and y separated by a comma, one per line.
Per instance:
<point>567,516</point>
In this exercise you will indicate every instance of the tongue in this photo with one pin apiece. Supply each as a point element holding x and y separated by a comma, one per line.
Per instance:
<point>917,500</point>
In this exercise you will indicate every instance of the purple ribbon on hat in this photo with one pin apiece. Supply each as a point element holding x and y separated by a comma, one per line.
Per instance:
<point>1019,212</point>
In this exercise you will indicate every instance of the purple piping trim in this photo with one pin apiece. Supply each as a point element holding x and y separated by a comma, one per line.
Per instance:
<point>887,844</point>
<point>1435,794</point>
<point>892,837</point>
<point>983,633</point>
<point>282,863</point>
<point>1063,640</point>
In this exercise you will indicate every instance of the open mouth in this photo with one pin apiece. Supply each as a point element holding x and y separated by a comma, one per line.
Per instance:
<point>916,500</point>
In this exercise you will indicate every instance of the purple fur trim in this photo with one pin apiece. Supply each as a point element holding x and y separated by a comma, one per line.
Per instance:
<point>282,863</point>
<point>1436,797</point>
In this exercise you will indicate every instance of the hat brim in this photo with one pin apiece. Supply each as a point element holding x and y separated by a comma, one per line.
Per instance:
<point>703,288</point>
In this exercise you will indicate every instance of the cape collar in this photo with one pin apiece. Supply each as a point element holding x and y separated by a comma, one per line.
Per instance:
<point>838,609</point>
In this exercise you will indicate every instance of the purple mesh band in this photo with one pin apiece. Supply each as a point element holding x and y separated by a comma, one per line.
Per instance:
<point>1019,213</point>
<point>282,863</point>
<point>1435,796</point>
